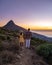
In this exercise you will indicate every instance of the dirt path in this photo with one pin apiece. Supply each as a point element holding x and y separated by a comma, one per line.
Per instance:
<point>29,57</point>
<point>26,57</point>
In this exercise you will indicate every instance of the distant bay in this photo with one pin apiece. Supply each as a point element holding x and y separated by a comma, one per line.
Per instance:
<point>47,33</point>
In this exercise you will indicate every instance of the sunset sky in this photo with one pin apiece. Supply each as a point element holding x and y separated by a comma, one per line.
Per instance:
<point>34,14</point>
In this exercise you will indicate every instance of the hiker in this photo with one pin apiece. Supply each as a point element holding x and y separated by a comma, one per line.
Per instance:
<point>21,39</point>
<point>28,35</point>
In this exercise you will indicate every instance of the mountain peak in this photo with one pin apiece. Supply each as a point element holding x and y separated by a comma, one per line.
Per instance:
<point>12,26</point>
<point>11,22</point>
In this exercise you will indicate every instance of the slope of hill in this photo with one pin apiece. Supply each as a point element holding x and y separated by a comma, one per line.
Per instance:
<point>12,26</point>
<point>42,37</point>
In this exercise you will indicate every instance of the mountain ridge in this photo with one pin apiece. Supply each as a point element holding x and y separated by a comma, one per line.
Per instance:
<point>12,26</point>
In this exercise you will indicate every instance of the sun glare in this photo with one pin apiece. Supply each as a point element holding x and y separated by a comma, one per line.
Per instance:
<point>41,25</point>
<point>45,24</point>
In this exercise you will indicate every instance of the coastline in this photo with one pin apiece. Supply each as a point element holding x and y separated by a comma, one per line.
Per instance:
<point>43,37</point>
<point>46,33</point>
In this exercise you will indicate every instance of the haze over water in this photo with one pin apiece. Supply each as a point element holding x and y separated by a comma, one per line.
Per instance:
<point>42,32</point>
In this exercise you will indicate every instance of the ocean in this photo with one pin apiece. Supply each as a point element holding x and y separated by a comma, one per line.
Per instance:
<point>42,32</point>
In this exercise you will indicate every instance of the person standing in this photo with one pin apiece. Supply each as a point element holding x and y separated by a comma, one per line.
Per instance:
<point>28,35</point>
<point>21,39</point>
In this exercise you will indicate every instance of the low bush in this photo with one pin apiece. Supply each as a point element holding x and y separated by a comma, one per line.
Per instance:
<point>8,38</point>
<point>33,42</point>
<point>1,46</point>
<point>14,47</point>
<point>2,31</point>
<point>2,37</point>
<point>6,57</point>
<point>37,40</point>
<point>45,50</point>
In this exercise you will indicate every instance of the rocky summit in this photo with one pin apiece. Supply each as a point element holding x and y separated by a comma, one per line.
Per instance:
<point>12,26</point>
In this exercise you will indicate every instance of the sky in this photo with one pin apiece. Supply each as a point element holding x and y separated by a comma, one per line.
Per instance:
<point>34,14</point>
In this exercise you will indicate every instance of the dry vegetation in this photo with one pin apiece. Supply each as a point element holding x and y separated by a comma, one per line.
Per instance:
<point>10,50</point>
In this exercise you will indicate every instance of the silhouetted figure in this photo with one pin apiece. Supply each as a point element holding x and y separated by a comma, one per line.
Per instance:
<point>28,38</point>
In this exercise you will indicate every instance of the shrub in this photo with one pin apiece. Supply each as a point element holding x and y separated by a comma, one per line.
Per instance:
<point>2,37</point>
<point>8,38</point>
<point>39,41</point>
<point>4,46</point>
<point>14,47</point>
<point>42,50</point>
<point>2,31</point>
<point>33,42</point>
<point>11,46</point>
<point>1,46</point>
<point>6,57</point>
<point>45,50</point>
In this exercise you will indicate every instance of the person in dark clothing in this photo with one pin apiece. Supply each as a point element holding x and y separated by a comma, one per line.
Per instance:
<point>28,38</point>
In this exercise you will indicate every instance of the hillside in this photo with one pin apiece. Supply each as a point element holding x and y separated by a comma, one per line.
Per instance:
<point>11,53</point>
<point>12,26</point>
<point>42,37</point>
